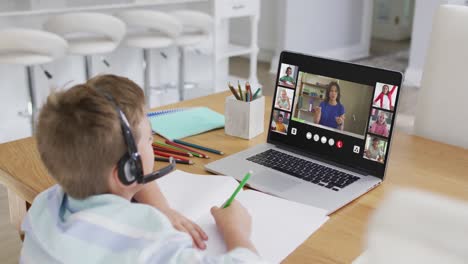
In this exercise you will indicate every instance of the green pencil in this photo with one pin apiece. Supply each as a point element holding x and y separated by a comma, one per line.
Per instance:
<point>256,93</point>
<point>241,185</point>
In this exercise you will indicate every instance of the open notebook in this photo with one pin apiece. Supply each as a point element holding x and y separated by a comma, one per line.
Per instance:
<point>184,122</point>
<point>278,226</point>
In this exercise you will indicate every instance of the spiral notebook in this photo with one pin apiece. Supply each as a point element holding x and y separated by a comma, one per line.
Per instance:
<point>184,122</point>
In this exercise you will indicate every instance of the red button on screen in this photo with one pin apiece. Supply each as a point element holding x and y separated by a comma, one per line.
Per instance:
<point>339,144</point>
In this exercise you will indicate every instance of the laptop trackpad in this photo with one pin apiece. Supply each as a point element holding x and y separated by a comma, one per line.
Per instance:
<point>272,181</point>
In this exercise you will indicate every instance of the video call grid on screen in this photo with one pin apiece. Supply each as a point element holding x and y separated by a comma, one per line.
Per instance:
<point>370,78</point>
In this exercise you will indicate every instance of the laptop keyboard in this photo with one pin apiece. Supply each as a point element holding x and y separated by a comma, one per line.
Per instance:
<point>304,169</point>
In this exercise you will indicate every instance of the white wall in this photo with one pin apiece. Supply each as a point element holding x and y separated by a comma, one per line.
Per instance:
<point>334,28</point>
<point>422,25</point>
<point>315,26</point>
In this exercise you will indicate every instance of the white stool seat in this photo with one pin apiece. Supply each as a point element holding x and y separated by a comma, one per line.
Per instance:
<point>91,46</point>
<point>24,58</point>
<point>88,34</point>
<point>30,47</point>
<point>190,39</point>
<point>149,30</point>
<point>148,41</point>
<point>93,29</point>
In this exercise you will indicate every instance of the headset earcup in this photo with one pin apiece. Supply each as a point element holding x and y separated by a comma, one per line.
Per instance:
<point>126,170</point>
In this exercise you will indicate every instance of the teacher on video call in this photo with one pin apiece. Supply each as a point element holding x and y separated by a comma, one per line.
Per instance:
<point>331,112</point>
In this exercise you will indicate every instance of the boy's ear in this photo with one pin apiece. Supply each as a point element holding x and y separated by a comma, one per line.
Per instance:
<point>115,185</point>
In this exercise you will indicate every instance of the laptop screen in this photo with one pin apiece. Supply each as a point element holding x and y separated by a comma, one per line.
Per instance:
<point>336,111</point>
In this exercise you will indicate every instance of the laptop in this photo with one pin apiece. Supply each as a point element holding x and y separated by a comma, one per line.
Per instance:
<point>330,133</point>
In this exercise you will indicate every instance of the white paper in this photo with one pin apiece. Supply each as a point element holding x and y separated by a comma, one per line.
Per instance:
<point>194,195</point>
<point>279,226</point>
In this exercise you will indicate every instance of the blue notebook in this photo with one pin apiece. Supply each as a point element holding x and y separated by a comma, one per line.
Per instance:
<point>180,123</point>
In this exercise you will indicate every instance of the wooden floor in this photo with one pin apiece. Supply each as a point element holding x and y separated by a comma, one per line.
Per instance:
<point>10,243</point>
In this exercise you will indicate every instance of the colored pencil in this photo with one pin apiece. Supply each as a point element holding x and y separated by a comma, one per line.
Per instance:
<point>198,147</point>
<point>236,191</point>
<point>240,91</point>
<point>200,155</point>
<point>168,150</point>
<point>176,160</point>
<point>164,145</point>
<point>256,93</point>
<point>168,155</point>
<point>249,89</point>
<point>233,91</point>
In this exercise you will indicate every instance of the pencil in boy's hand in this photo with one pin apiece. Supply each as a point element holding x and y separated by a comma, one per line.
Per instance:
<point>194,152</point>
<point>198,147</point>
<point>168,150</point>
<point>241,185</point>
<point>168,155</point>
<point>233,91</point>
<point>176,160</point>
<point>240,91</point>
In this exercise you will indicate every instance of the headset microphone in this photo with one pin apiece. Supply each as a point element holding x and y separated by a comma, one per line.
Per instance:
<point>159,173</point>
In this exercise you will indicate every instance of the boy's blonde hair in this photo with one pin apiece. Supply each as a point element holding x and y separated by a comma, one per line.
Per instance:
<point>79,136</point>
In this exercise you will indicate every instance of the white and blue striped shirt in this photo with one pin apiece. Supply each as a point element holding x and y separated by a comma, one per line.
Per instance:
<point>108,229</point>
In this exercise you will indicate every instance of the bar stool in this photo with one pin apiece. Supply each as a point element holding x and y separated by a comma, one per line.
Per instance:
<point>30,47</point>
<point>197,27</point>
<point>88,34</point>
<point>149,30</point>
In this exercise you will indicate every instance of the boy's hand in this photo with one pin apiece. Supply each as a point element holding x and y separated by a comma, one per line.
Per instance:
<point>234,218</point>
<point>184,224</point>
<point>235,224</point>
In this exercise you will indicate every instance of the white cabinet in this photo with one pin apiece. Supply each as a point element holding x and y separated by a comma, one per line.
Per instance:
<point>224,11</point>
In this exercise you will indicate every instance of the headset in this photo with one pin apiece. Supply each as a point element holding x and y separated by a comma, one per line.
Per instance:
<point>130,166</point>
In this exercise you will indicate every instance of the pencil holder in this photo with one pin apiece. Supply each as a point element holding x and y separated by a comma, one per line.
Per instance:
<point>244,119</point>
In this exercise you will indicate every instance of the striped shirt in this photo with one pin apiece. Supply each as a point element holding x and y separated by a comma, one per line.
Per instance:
<point>108,229</point>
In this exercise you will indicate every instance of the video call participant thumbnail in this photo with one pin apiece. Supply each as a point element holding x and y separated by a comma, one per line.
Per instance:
<point>385,98</point>
<point>280,122</point>
<point>375,149</point>
<point>331,112</point>
<point>380,123</point>
<point>288,76</point>
<point>284,98</point>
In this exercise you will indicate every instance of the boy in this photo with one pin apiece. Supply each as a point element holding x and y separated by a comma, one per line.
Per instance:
<point>89,216</point>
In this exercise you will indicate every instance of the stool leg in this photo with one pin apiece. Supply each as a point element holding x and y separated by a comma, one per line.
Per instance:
<point>88,61</point>
<point>147,76</point>
<point>181,81</point>
<point>32,108</point>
